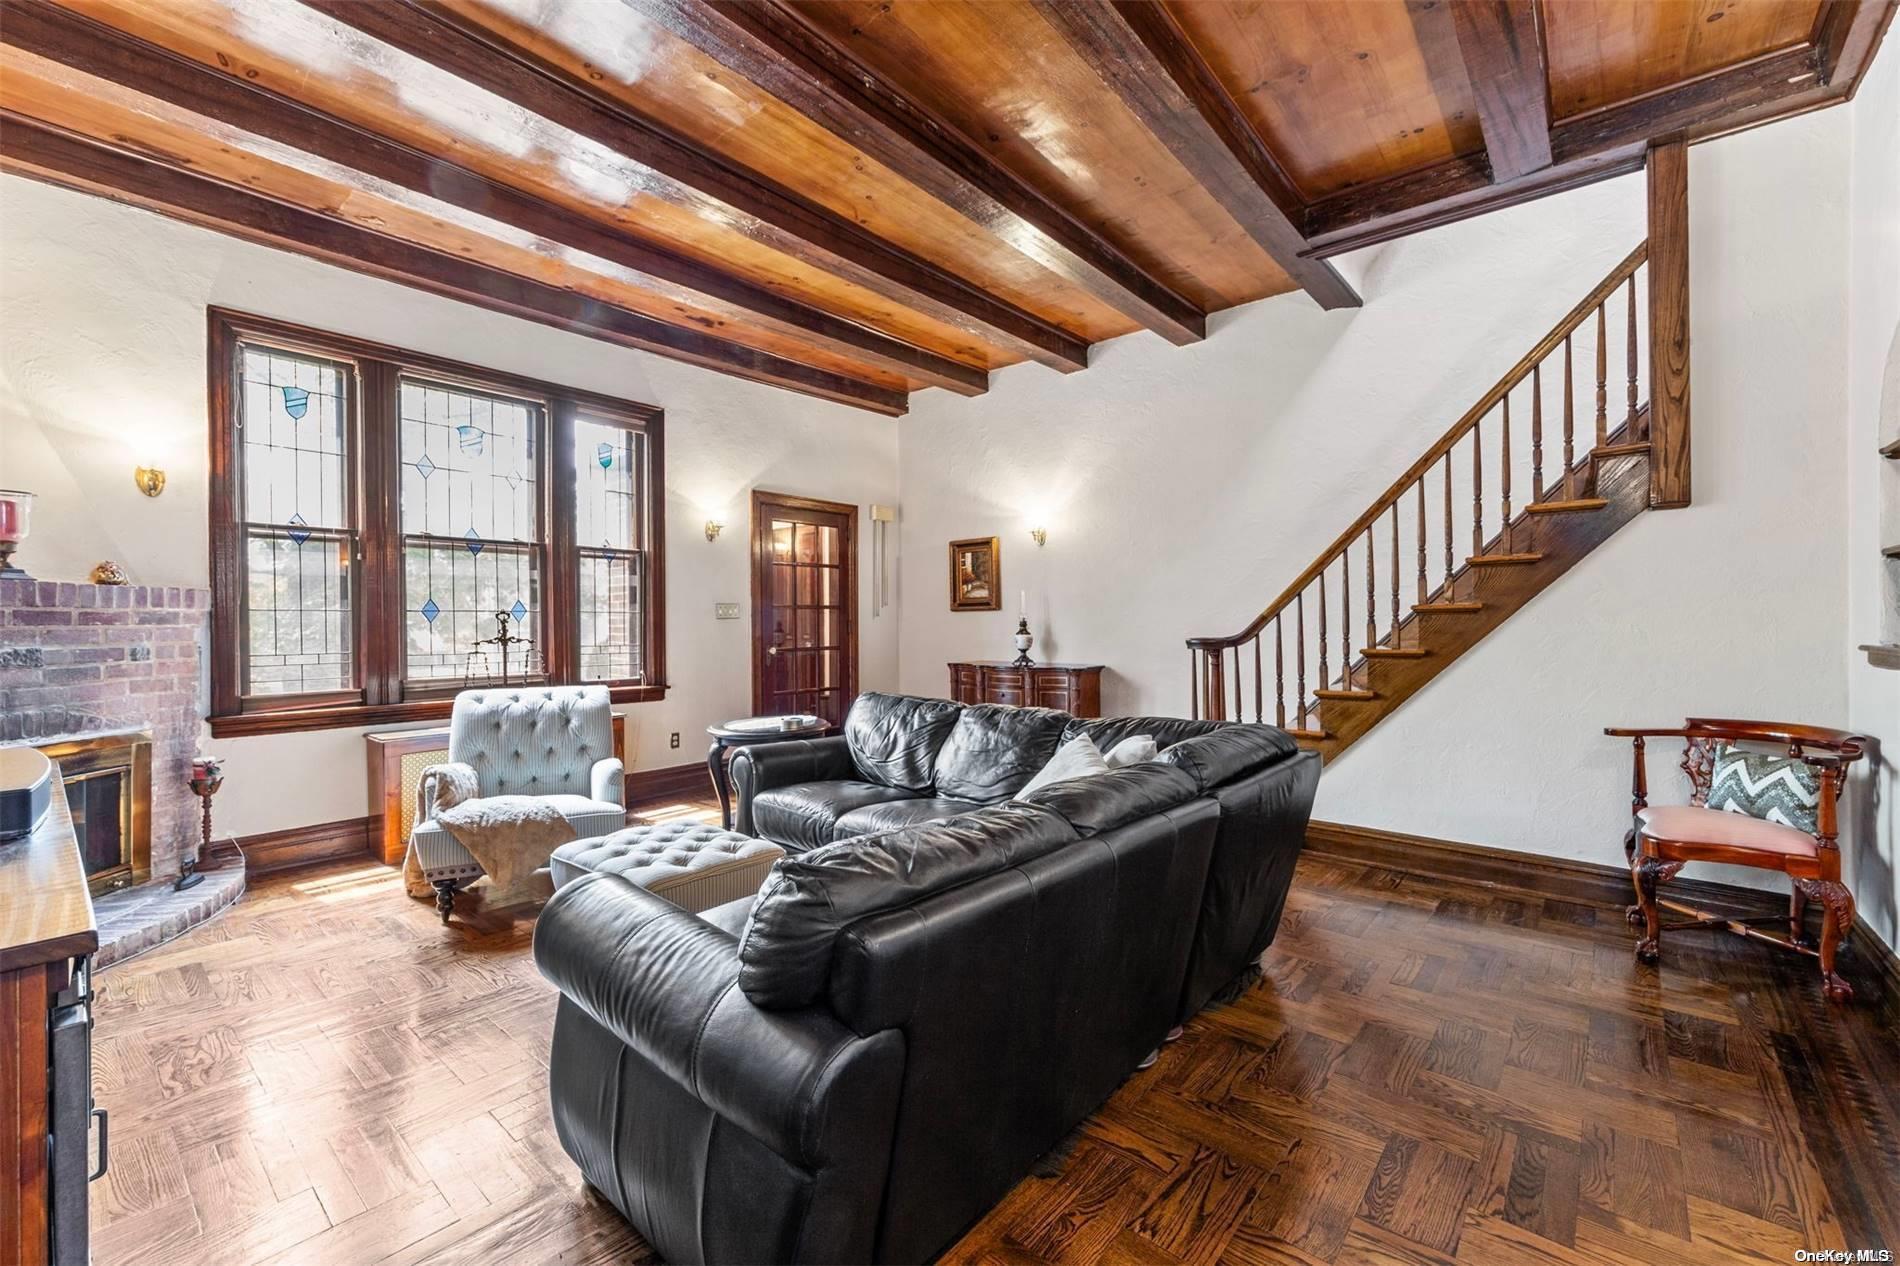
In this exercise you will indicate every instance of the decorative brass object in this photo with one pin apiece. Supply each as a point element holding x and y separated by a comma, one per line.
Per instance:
<point>110,573</point>
<point>150,480</point>
<point>1040,536</point>
<point>713,528</point>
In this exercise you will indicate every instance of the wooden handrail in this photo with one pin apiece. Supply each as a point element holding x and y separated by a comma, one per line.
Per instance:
<point>1512,377</point>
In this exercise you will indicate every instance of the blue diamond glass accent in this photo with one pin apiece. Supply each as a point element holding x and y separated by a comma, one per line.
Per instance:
<point>605,456</point>
<point>475,543</point>
<point>298,521</point>
<point>430,611</point>
<point>514,479</point>
<point>517,611</point>
<point>426,466</point>
<point>471,439</point>
<point>296,401</point>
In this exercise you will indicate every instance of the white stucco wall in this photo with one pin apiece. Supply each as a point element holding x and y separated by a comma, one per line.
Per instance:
<point>1182,488</point>
<point>102,368</point>
<point>1872,843</point>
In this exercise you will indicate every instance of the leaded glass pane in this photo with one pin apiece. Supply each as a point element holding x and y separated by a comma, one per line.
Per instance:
<point>468,463</point>
<point>298,628</point>
<point>610,615</point>
<point>453,595</point>
<point>605,466</point>
<point>297,523</point>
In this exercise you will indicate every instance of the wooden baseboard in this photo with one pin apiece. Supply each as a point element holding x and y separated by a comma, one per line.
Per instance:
<point>1588,883</point>
<point>350,839</point>
<point>673,782</point>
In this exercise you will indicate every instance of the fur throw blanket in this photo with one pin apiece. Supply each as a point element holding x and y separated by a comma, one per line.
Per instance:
<point>511,836</point>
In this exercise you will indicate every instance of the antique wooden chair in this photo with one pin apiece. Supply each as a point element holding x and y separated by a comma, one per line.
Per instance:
<point>1664,839</point>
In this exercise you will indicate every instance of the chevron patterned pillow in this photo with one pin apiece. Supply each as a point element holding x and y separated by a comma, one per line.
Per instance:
<point>1776,788</point>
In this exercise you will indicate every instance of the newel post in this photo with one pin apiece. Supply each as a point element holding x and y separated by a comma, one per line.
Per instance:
<point>1669,325</point>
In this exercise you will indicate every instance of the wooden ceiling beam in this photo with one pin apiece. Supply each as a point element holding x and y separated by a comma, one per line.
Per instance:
<point>29,147</point>
<point>1503,52</point>
<point>1137,49</point>
<point>78,42</point>
<point>1612,141</point>
<point>704,184</point>
<point>768,43</point>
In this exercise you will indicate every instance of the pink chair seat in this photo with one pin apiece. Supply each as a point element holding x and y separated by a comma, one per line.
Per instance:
<point>1687,824</point>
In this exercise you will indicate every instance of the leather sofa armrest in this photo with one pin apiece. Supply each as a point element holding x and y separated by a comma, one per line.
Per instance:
<point>608,781</point>
<point>760,767</point>
<point>666,983</point>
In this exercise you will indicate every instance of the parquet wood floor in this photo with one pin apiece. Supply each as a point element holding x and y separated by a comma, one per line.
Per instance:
<point>1430,1073</point>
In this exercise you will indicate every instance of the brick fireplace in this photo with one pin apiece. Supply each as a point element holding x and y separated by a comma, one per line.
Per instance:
<point>80,660</point>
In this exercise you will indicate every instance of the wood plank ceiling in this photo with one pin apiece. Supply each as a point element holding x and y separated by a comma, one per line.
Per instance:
<point>857,199</point>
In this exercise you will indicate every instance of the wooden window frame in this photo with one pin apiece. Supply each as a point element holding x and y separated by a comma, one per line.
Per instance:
<point>374,439</point>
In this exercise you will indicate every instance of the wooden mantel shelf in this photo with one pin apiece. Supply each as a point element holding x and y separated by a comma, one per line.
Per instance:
<point>1891,451</point>
<point>1883,655</point>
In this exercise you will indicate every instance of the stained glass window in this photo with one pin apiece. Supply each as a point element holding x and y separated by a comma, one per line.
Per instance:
<point>298,524</point>
<point>609,524</point>
<point>471,525</point>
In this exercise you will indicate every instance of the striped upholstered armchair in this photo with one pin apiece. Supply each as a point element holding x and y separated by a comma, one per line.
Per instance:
<point>554,741</point>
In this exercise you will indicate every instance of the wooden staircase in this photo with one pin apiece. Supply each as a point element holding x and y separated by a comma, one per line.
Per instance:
<point>1446,555</point>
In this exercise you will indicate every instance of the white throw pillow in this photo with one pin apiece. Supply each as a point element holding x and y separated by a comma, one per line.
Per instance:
<point>1132,751</point>
<point>1077,758</point>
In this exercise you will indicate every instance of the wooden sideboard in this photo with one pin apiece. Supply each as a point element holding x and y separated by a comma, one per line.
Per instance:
<point>396,762</point>
<point>1072,688</point>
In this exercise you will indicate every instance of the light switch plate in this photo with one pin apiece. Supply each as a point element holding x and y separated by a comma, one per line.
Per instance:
<point>725,610</point>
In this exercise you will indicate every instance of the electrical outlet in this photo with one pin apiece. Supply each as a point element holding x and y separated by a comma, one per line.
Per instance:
<point>725,610</point>
<point>675,740</point>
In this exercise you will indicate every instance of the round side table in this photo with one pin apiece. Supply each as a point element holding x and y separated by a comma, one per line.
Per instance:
<point>743,733</point>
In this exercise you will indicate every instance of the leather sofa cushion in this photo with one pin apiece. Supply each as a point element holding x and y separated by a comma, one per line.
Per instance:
<point>785,953</point>
<point>895,739</point>
<point>895,815</point>
<point>730,918</point>
<point>1165,731</point>
<point>1229,752</point>
<point>993,750</point>
<point>805,815</point>
<point>1106,801</point>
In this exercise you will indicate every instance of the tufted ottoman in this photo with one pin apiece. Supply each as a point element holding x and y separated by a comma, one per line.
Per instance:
<point>694,865</point>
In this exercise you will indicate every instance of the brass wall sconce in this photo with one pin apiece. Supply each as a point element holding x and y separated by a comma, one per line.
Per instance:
<point>713,528</point>
<point>150,480</point>
<point>1040,536</point>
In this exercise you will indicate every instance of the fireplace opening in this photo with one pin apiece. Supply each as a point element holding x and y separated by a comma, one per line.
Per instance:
<point>108,778</point>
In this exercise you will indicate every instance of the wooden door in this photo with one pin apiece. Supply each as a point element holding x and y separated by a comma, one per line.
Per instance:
<point>804,606</point>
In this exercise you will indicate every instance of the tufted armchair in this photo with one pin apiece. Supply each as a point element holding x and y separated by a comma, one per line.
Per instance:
<point>554,741</point>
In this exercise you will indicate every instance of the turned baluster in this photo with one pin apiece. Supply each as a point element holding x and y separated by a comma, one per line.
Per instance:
<point>1421,538</point>
<point>1259,683</point>
<point>1194,683</point>
<point>1240,713</point>
<point>1395,573</point>
<point>1325,676</point>
<point>1372,592</point>
<point>1477,488</point>
<point>1279,673</point>
<point>1299,654</point>
<point>1448,519</point>
<point>1345,616</point>
<point>1603,383</point>
<point>1537,432</point>
<point>1629,423</point>
<point>1570,417</point>
<point>1505,457</point>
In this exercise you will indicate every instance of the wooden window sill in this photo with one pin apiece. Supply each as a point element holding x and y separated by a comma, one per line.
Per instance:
<point>297,720</point>
<point>1883,656</point>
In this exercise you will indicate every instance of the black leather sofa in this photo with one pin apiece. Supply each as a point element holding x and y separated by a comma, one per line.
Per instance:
<point>859,1062</point>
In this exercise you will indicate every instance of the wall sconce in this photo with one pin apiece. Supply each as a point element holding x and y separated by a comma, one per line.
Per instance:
<point>713,528</point>
<point>150,480</point>
<point>1040,536</point>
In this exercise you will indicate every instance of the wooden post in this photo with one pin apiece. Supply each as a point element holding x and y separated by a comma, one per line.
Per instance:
<point>1669,325</point>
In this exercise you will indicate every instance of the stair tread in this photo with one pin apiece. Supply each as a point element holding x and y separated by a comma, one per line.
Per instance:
<point>1620,450</point>
<point>1460,607</point>
<point>1308,734</point>
<point>1345,694</point>
<point>1395,652</point>
<point>1503,560</point>
<point>1565,507</point>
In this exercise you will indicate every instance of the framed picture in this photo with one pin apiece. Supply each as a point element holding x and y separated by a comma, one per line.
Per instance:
<point>976,581</point>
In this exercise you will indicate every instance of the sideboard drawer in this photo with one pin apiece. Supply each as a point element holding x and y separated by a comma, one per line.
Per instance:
<point>1005,685</point>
